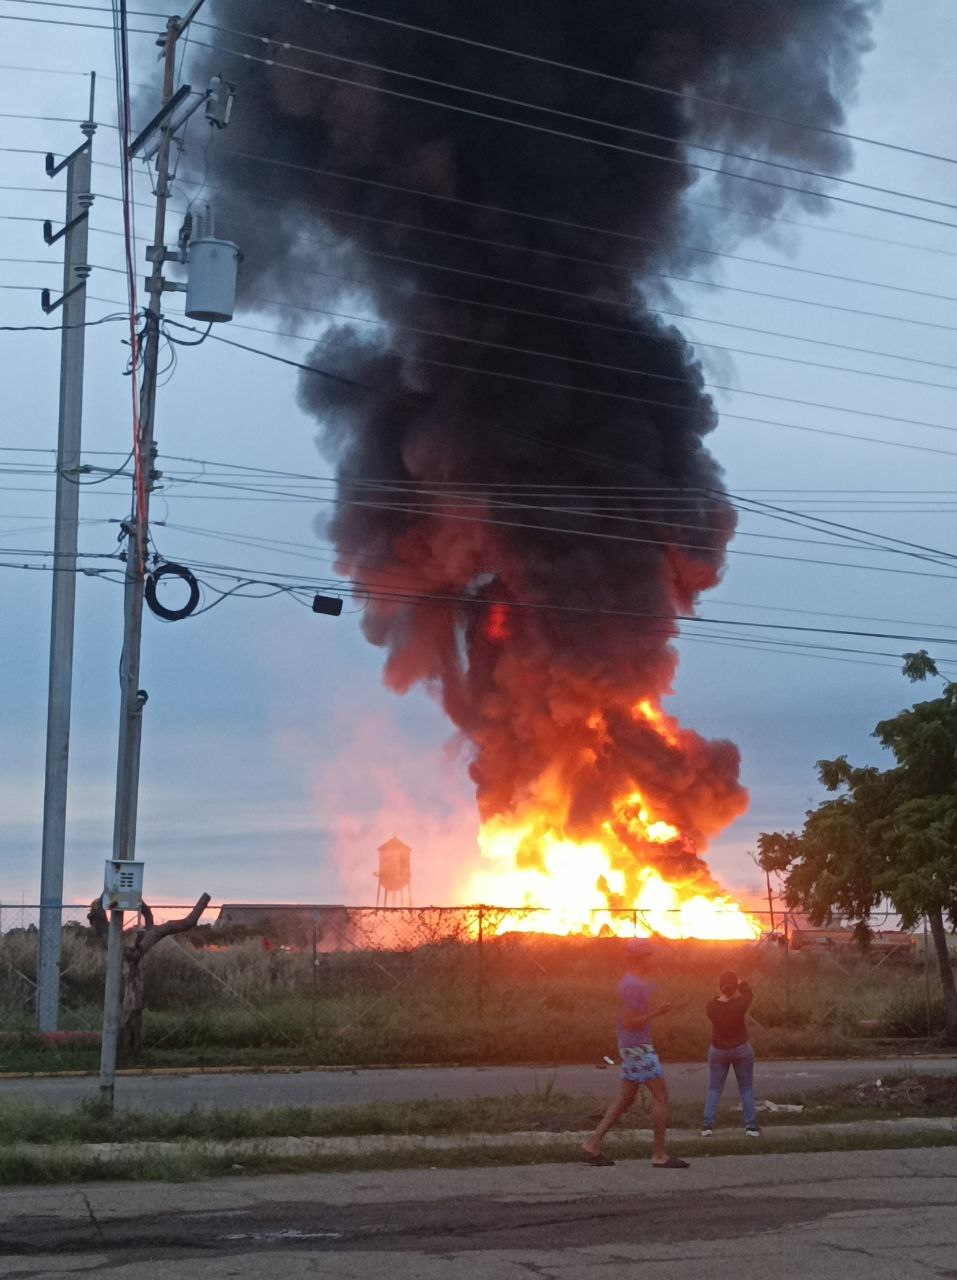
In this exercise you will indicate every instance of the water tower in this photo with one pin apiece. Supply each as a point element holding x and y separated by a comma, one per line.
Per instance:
<point>394,874</point>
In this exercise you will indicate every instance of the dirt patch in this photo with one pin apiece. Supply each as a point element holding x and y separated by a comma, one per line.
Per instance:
<point>899,1093</point>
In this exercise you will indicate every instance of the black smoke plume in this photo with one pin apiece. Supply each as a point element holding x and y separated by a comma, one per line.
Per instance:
<point>520,386</point>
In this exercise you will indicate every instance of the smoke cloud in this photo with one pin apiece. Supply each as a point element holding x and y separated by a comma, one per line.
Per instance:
<point>524,482</point>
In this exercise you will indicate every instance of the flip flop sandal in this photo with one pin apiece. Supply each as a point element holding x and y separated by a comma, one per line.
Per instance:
<point>672,1163</point>
<point>599,1161</point>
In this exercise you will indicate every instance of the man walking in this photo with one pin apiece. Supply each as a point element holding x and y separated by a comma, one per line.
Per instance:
<point>639,1062</point>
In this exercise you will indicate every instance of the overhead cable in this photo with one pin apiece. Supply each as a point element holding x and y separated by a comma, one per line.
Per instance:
<point>684,163</point>
<point>681,95</point>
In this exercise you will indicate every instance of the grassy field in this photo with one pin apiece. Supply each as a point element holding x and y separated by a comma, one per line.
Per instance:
<point>515,999</point>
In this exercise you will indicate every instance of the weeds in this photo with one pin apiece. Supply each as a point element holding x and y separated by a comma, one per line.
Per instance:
<point>534,1000</point>
<point>544,1110</point>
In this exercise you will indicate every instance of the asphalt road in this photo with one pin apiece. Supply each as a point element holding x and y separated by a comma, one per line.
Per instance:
<point>335,1088</point>
<point>883,1215</point>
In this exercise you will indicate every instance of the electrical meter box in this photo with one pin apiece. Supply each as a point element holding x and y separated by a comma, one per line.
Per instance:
<point>122,885</point>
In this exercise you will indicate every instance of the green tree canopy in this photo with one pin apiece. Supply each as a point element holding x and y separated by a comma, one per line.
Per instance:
<point>888,834</point>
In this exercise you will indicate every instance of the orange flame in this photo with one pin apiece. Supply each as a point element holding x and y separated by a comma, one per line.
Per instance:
<point>664,726</point>
<point>496,624</point>
<point>601,884</point>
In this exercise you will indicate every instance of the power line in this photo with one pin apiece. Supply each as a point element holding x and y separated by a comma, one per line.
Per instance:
<point>407,508</point>
<point>430,263</point>
<point>595,142</point>
<point>45,262</point>
<point>620,395</point>
<point>789,516</point>
<point>618,267</point>
<point>298,364</point>
<point>681,279</point>
<point>19,115</point>
<point>644,373</point>
<point>63,22</point>
<point>708,284</point>
<point>569,115</point>
<point>680,94</point>
<point>593,324</point>
<point>301,592</point>
<point>651,519</point>
<point>753,293</point>
<point>647,333</point>
<point>57,328</point>
<point>659,524</point>
<point>373,592</point>
<point>392,568</point>
<point>750,214</point>
<point>88,8</point>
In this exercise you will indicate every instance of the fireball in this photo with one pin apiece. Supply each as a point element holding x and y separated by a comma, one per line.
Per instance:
<point>638,874</point>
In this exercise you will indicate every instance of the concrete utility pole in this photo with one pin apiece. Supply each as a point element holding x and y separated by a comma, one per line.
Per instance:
<point>132,698</point>
<point>74,232</point>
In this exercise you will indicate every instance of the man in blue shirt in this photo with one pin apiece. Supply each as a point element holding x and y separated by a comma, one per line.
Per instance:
<point>639,1062</point>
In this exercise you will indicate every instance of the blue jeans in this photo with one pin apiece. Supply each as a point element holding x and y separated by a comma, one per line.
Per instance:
<point>741,1057</point>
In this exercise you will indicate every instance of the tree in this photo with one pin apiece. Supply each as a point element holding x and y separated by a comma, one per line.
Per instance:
<point>137,942</point>
<point>887,834</point>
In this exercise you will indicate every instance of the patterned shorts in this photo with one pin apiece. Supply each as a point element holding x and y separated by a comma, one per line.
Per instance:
<point>640,1064</point>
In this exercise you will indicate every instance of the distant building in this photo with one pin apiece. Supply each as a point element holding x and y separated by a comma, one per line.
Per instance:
<point>293,924</point>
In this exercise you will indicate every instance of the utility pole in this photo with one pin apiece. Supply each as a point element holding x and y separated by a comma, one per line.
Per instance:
<point>74,233</point>
<point>132,698</point>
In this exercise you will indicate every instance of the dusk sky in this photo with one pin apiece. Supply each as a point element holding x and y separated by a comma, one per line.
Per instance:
<point>274,759</point>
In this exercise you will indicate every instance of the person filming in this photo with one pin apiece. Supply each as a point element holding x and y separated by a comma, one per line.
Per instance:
<point>730,1047</point>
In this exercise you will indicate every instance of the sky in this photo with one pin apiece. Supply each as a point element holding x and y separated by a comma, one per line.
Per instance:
<point>274,759</point>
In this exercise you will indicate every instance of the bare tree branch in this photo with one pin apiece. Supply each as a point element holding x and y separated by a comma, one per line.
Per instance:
<point>146,911</point>
<point>98,921</point>
<point>158,932</point>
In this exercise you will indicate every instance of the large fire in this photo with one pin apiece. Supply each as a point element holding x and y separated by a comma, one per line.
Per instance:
<point>529,517</point>
<point>602,884</point>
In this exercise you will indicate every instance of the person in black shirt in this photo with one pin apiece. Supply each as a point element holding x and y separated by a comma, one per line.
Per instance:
<point>730,1047</point>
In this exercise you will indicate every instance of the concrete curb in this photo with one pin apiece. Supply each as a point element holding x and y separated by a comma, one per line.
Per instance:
<point>297,1069</point>
<point>386,1144</point>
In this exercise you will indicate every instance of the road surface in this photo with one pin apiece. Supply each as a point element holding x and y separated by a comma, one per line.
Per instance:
<point>866,1215</point>
<point>338,1088</point>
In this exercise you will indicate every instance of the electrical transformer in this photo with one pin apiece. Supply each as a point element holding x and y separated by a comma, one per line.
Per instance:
<point>211,291</point>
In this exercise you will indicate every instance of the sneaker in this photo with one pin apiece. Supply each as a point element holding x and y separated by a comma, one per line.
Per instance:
<point>707,1133</point>
<point>752,1133</point>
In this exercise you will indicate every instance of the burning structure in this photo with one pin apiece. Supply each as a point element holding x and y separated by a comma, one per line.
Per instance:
<point>525,495</point>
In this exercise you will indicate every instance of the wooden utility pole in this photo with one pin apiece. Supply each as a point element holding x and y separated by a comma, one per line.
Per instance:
<point>132,697</point>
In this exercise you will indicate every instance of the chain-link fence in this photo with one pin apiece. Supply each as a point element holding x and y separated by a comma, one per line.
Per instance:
<point>272,984</point>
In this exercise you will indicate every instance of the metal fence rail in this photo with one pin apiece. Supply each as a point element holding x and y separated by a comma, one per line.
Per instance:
<point>313,982</point>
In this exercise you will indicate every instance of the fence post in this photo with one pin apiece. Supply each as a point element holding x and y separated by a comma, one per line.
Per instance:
<point>481,976</point>
<point>787,970</point>
<point>927,980</point>
<point>315,969</point>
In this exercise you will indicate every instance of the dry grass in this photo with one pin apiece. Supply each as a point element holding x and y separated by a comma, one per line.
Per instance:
<point>529,1000</point>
